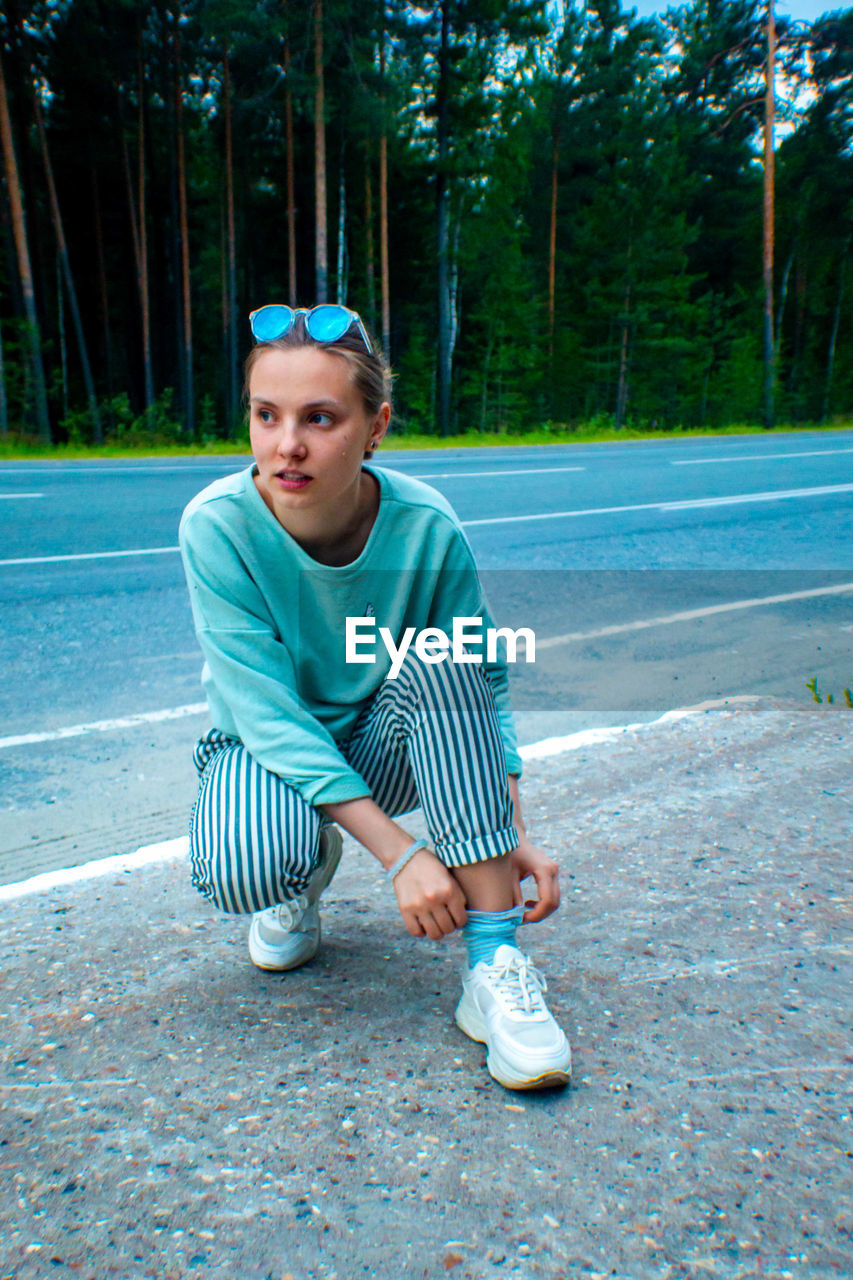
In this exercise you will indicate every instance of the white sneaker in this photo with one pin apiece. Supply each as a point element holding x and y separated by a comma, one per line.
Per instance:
<point>502,1007</point>
<point>288,934</point>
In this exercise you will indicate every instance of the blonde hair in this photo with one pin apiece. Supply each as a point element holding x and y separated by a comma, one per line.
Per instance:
<point>371,373</point>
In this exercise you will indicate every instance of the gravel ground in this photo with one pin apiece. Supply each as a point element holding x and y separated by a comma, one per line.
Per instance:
<point>169,1111</point>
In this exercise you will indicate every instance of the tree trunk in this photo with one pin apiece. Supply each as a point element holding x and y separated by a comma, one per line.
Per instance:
<point>769,118</point>
<point>624,361</point>
<point>384,269</point>
<point>141,269</point>
<point>801,284</point>
<point>622,389</point>
<point>19,231</point>
<point>370,247</point>
<point>63,346</point>
<point>131,204</point>
<point>321,249</point>
<point>134,221</point>
<point>484,390</point>
<point>171,277</point>
<point>552,250</point>
<point>836,319</point>
<point>341,273</point>
<point>233,407</point>
<point>703,403</point>
<point>291,186</point>
<point>189,389</point>
<point>143,235</point>
<point>453,277</point>
<point>102,286</point>
<point>65,263</point>
<point>442,200</point>
<point>4,410</point>
<point>224,346</point>
<point>783,293</point>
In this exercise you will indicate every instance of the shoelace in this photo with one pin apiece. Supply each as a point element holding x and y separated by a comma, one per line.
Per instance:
<point>520,984</point>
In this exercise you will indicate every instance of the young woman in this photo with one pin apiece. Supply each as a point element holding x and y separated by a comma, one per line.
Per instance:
<point>277,558</point>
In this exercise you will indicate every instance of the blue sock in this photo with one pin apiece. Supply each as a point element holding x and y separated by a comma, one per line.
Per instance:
<point>488,930</point>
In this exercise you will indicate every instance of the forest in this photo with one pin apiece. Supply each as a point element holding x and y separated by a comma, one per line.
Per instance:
<point>551,215</point>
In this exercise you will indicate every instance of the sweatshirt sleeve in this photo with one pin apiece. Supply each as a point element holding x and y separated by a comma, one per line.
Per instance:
<point>459,593</point>
<point>253,672</point>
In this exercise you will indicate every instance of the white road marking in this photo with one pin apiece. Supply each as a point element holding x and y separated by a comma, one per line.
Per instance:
<point>21,495</point>
<point>459,475</point>
<point>165,851</point>
<point>108,471</point>
<point>690,615</point>
<point>757,457</point>
<point>550,642</point>
<point>688,504</point>
<point>592,737</point>
<point>771,495</point>
<point>92,555</point>
<point>685,505</point>
<point>227,469</point>
<point>104,726</point>
<point>170,850</point>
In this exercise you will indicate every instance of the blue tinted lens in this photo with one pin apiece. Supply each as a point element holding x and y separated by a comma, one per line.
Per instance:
<point>270,323</point>
<point>328,323</point>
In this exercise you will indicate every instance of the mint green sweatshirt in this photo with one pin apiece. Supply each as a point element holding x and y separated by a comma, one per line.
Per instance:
<point>271,622</point>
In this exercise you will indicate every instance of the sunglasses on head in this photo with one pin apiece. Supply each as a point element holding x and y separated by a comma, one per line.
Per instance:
<point>326,323</point>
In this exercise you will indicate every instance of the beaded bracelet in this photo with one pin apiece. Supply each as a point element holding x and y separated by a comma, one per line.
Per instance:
<point>406,857</point>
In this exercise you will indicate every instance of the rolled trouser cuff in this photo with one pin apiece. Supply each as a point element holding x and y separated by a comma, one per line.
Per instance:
<point>480,848</point>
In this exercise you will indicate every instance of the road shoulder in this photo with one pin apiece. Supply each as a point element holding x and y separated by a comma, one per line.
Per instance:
<point>170,1109</point>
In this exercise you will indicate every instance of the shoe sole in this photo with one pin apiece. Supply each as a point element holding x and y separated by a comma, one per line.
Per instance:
<point>263,957</point>
<point>469,1021</point>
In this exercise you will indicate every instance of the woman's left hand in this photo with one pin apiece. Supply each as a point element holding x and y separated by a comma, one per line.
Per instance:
<point>528,860</point>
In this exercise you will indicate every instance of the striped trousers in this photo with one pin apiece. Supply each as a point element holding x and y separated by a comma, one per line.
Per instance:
<point>430,738</point>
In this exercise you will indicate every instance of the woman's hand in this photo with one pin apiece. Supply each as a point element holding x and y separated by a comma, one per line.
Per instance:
<point>431,902</point>
<point>528,860</point>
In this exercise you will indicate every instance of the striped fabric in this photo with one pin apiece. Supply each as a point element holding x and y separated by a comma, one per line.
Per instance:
<point>430,737</point>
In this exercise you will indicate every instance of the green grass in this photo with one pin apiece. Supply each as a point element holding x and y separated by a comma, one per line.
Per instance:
<point>17,451</point>
<point>588,435</point>
<point>14,448</point>
<point>819,696</point>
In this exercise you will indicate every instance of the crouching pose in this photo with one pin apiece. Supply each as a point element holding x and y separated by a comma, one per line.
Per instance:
<point>304,741</point>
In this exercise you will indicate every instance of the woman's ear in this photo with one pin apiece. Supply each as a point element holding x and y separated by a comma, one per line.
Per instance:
<point>379,428</point>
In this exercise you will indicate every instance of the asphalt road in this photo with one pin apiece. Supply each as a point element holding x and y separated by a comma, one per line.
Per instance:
<point>653,574</point>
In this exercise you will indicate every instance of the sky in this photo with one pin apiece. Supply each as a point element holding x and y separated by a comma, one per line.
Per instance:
<point>801,10</point>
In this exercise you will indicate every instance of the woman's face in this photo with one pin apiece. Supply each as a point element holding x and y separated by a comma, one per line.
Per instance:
<point>309,431</point>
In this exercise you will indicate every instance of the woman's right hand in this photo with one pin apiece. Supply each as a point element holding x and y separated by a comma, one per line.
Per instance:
<point>430,900</point>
